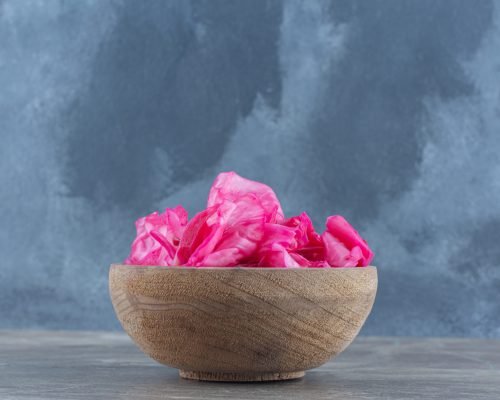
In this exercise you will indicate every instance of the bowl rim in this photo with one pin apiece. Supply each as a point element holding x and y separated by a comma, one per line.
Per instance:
<point>194,268</point>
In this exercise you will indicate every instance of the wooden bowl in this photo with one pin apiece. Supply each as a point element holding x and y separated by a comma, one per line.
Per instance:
<point>242,324</point>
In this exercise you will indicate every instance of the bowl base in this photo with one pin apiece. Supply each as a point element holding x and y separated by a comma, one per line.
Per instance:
<point>240,377</point>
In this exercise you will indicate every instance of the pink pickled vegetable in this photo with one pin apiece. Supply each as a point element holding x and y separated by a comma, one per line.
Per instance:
<point>343,244</point>
<point>158,237</point>
<point>244,225</point>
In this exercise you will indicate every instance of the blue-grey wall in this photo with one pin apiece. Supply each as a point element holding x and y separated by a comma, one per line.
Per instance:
<point>387,112</point>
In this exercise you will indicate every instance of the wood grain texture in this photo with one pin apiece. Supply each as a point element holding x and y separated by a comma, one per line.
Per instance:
<point>244,324</point>
<point>106,365</point>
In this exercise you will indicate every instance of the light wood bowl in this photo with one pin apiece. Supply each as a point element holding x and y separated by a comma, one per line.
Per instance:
<point>242,324</point>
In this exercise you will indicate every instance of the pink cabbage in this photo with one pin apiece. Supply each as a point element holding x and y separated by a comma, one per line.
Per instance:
<point>344,247</point>
<point>244,225</point>
<point>158,237</point>
<point>230,187</point>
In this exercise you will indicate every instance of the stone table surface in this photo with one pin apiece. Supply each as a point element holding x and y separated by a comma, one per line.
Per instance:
<point>102,365</point>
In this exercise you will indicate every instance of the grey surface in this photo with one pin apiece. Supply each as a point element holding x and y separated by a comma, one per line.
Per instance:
<point>83,365</point>
<point>384,111</point>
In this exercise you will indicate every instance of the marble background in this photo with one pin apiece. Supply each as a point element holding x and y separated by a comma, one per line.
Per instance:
<point>385,111</point>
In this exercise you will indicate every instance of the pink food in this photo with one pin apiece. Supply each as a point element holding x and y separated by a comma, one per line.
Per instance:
<point>244,225</point>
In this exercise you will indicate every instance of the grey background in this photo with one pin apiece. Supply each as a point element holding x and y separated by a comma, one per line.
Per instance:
<point>387,112</point>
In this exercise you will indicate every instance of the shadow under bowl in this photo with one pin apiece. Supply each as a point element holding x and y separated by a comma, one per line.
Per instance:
<point>242,324</point>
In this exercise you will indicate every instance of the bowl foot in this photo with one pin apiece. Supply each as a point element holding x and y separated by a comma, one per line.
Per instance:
<point>240,377</point>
